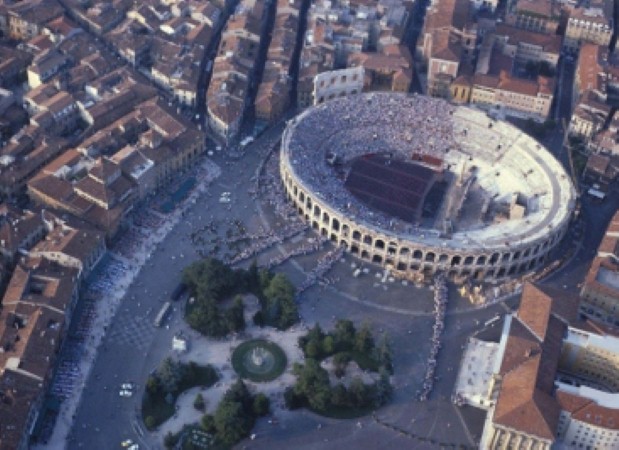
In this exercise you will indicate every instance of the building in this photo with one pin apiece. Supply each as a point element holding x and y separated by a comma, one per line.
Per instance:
<point>600,290</point>
<point>352,129</point>
<point>553,381</point>
<point>593,25</point>
<point>541,16</point>
<point>337,83</point>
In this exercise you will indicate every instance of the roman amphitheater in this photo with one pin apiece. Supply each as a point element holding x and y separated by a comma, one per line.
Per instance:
<point>420,186</point>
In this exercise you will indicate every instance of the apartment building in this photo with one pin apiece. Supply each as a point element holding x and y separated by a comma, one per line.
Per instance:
<point>589,24</point>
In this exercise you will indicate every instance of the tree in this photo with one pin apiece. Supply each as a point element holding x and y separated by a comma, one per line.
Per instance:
<point>152,385</point>
<point>339,395</point>
<point>384,354</point>
<point>359,393</point>
<point>170,440</point>
<point>279,288</point>
<point>364,342</point>
<point>261,405</point>
<point>344,334</point>
<point>312,350</point>
<point>199,403</point>
<point>328,345</point>
<point>231,423</point>
<point>235,315</point>
<point>208,423</point>
<point>384,389</point>
<point>150,422</point>
<point>170,374</point>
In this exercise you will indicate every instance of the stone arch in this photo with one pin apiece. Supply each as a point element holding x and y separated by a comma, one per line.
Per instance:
<point>354,249</point>
<point>417,254</point>
<point>481,260</point>
<point>501,272</point>
<point>302,196</point>
<point>494,258</point>
<point>333,237</point>
<point>377,259</point>
<point>367,239</point>
<point>512,270</point>
<point>430,256</point>
<point>401,266</point>
<point>365,254</point>
<point>469,260</point>
<point>345,229</point>
<point>443,258</point>
<point>456,260</point>
<point>405,251</point>
<point>324,232</point>
<point>356,236</point>
<point>295,191</point>
<point>343,243</point>
<point>517,255</point>
<point>315,225</point>
<point>379,244</point>
<point>325,217</point>
<point>506,257</point>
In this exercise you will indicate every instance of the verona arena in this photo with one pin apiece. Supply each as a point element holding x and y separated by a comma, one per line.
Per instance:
<point>507,201</point>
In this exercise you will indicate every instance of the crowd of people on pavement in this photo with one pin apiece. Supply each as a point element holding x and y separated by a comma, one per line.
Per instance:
<point>325,263</point>
<point>440,305</point>
<point>387,124</point>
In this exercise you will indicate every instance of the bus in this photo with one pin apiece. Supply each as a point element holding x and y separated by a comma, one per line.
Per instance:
<point>596,194</point>
<point>161,315</point>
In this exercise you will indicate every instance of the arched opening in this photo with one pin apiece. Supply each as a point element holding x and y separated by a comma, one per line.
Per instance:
<point>401,267</point>
<point>481,260</point>
<point>367,239</point>
<point>333,237</point>
<point>414,266</point>
<point>325,218</point>
<point>356,236</point>
<point>316,211</point>
<point>379,244</point>
<point>354,249</point>
<point>324,232</point>
<point>531,264</point>
<point>295,190</point>
<point>392,250</point>
<point>512,270</point>
<point>365,254</point>
<point>456,260</point>
<point>430,257</point>
<point>377,259</point>
<point>344,244</point>
<point>468,260</point>
<point>405,251</point>
<point>505,257</point>
<point>335,225</point>
<point>494,258</point>
<point>517,254</point>
<point>315,225</point>
<point>417,254</point>
<point>443,258</point>
<point>501,273</point>
<point>302,197</point>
